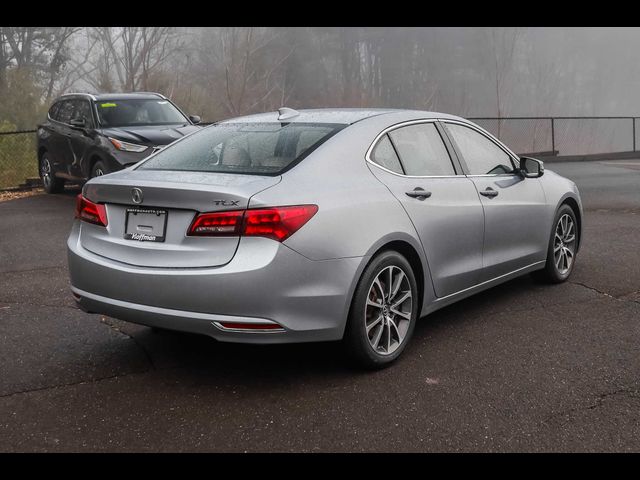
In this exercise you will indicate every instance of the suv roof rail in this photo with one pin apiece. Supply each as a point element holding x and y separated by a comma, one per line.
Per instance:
<point>93,97</point>
<point>150,93</point>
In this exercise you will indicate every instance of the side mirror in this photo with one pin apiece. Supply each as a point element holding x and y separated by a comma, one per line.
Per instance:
<point>195,119</point>
<point>78,122</point>
<point>531,168</point>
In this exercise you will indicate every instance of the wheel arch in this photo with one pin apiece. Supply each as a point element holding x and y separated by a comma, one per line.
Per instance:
<point>41,151</point>
<point>410,253</point>
<point>93,158</point>
<point>412,250</point>
<point>577,211</point>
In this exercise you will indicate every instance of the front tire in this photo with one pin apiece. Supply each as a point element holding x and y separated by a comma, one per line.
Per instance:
<point>563,245</point>
<point>383,311</point>
<point>99,169</point>
<point>51,183</point>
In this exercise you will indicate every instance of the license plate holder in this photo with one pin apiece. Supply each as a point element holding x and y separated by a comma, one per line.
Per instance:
<point>145,224</point>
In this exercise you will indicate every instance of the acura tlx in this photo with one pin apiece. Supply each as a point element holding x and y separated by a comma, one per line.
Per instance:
<point>318,225</point>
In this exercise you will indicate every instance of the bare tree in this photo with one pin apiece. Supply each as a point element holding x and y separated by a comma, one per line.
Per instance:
<point>245,66</point>
<point>503,45</point>
<point>130,55</point>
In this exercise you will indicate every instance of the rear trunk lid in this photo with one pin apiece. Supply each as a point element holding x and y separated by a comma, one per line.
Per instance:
<point>146,205</point>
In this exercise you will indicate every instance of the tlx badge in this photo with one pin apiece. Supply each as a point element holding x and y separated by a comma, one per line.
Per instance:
<point>227,203</point>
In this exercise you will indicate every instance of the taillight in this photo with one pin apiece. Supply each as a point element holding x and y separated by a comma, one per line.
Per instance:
<point>88,211</point>
<point>220,223</point>
<point>277,223</point>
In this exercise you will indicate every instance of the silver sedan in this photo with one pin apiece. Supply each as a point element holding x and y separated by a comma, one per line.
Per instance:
<point>319,225</point>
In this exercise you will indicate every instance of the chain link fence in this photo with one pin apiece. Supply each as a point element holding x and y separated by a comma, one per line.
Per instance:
<point>564,136</point>
<point>553,136</point>
<point>18,157</point>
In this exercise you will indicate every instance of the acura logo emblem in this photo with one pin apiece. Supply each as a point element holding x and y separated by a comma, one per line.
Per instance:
<point>136,195</point>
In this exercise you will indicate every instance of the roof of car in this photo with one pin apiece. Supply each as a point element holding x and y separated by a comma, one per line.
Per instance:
<point>115,96</point>
<point>335,115</point>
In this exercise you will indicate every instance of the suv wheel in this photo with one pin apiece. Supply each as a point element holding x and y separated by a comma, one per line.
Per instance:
<point>99,169</point>
<point>51,183</point>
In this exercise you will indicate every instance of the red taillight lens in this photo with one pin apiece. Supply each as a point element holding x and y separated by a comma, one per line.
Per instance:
<point>217,224</point>
<point>277,223</point>
<point>87,211</point>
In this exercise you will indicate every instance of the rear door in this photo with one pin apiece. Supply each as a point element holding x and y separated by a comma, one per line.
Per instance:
<point>514,208</point>
<point>80,139</point>
<point>59,146</point>
<point>413,162</point>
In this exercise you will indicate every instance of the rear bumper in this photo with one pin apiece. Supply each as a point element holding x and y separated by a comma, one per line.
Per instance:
<point>265,282</point>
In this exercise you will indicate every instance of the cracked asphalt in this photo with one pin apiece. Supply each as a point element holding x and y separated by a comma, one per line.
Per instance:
<point>521,367</point>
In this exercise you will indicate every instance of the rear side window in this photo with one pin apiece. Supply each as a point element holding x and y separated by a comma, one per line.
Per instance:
<point>53,111</point>
<point>385,155</point>
<point>421,150</point>
<point>247,148</point>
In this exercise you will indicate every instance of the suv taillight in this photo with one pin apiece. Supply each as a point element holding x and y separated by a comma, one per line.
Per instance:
<point>90,212</point>
<point>277,223</point>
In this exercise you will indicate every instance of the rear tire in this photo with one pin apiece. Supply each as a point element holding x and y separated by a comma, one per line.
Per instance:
<point>51,183</point>
<point>561,252</point>
<point>383,311</point>
<point>99,169</point>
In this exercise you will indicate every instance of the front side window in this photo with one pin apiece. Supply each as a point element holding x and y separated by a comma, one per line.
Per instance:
<point>65,111</point>
<point>247,148</point>
<point>83,111</point>
<point>422,151</point>
<point>482,156</point>
<point>138,112</point>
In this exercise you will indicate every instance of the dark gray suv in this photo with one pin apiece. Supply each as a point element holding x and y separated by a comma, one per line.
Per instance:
<point>85,135</point>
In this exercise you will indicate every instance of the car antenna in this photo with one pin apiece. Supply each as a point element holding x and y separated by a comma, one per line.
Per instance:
<point>285,113</point>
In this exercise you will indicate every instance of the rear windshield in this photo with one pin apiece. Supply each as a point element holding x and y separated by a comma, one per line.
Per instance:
<point>247,148</point>
<point>138,112</point>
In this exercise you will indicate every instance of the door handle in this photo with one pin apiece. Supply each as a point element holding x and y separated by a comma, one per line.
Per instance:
<point>419,193</point>
<point>489,192</point>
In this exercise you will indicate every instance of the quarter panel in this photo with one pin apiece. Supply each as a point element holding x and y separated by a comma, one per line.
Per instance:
<point>355,210</point>
<point>357,214</point>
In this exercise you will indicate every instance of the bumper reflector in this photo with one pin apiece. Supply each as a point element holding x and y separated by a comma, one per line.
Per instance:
<point>249,327</point>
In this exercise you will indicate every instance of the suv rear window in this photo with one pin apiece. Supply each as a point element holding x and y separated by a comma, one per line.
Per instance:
<point>247,148</point>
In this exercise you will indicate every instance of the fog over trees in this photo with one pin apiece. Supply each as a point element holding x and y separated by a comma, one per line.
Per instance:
<point>223,72</point>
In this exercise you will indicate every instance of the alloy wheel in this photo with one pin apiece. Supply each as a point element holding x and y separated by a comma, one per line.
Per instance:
<point>388,310</point>
<point>564,244</point>
<point>45,172</point>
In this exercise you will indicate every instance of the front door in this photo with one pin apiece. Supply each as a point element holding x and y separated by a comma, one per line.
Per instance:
<point>80,139</point>
<point>514,207</point>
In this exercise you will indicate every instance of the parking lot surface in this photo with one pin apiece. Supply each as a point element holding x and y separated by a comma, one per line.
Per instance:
<point>520,367</point>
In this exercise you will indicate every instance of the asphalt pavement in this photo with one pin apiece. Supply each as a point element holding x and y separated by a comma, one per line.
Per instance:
<point>520,367</point>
